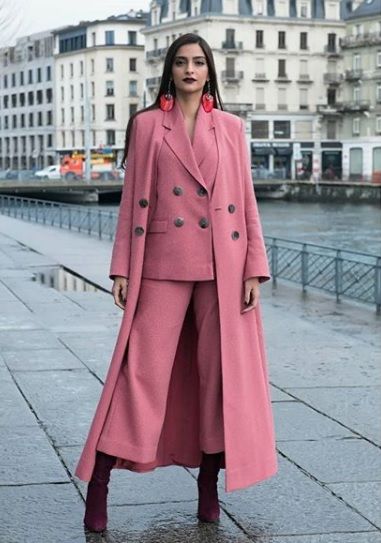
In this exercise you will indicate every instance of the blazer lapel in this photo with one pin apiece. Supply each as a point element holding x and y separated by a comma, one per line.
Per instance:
<point>178,140</point>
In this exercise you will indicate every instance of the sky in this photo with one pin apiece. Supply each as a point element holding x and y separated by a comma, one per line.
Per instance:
<point>23,17</point>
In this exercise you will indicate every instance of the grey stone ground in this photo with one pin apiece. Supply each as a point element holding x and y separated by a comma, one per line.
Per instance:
<point>324,363</point>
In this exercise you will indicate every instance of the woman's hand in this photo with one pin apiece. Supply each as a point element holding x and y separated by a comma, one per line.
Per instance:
<point>251,293</point>
<point>119,291</point>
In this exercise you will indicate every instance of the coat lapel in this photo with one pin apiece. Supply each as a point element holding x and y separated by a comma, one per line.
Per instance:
<point>178,140</point>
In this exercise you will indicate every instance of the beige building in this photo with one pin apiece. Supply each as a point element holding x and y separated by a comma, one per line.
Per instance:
<point>27,103</point>
<point>276,63</point>
<point>99,68</point>
<point>361,97</point>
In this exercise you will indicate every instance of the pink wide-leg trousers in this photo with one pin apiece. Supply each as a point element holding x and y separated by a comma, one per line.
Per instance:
<point>135,418</point>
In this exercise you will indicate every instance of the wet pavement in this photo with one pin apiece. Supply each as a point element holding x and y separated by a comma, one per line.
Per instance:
<point>57,333</point>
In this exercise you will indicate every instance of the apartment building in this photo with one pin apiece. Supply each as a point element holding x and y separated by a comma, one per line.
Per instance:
<point>27,103</point>
<point>361,104</point>
<point>99,69</point>
<point>278,65</point>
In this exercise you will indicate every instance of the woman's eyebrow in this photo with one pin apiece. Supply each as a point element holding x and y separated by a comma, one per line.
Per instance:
<point>179,56</point>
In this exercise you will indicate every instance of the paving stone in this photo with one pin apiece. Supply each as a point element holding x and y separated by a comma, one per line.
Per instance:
<point>169,523</point>
<point>97,361</point>
<point>349,405</point>
<point>279,396</point>
<point>84,340</point>
<point>357,537</point>
<point>289,503</point>
<point>14,409</point>
<point>165,484</point>
<point>365,497</point>
<point>5,294</point>
<point>65,402</point>
<point>296,421</point>
<point>336,460</point>
<point>11,340</point>
<point>28,457</point>
<point>41,359</point>
<point>51,513</point>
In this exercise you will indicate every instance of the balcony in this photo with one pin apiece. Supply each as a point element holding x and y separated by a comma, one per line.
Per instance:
<point>332,50</point>
<point>232,46</point>
<point>260,107</point>
<point>333,79</point>
<point>305,79</point>
<point>283,79</point>
<point>238,107</point>
<point>156,54</point>
<point>353,75</point>
<point>260,77</point>
<point>231,76</point>
<point>282,107</point>
<point>356,105</point>
<point>329,109</point>
<point>153,83</point>
<point>361,40</point>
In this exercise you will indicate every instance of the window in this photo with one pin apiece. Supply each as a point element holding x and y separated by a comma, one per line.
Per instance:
<point>71,69</point>
<point>92,112</point>
<point>331,44</point>
<point>282,67</point>
<point>356,62</point>
<point>73,138</point>
<point>49,141</point>
<point>92,65</point>
<point>39,122</point>
<point>303,40</point>
<point>72,114</point>
<point>133,88</point>
<point>282,98</point>
<point>93,39</point>
<point>378,93</point>
<point>63,136</point>
<point>110,137</point>
<point>132,37</point>
<point>62,71</point>
<point>109,88</point>
<point>304,10</point>
<point>30,77</point>
<point>378,59</point>
<point>355,163</point>
<point>38,75</point>
<point>260,98</point>
<point>281,40</point>
<point>6,122</point>
<point>14,121</point>
<point>49,118</point>
<point>303,104</point>
<point>13,80</point>
<point>92,89</point>
<point>303,69</point>
<point>49,96</point>
<point>378,125</point>
<point>331,130</point>
<point>62,116</point>
<point>133,108</point>
<point>48,73</point>
<point>81,90</point>
<point>132,64</point>
<point>30,98</point>
<point>259,39</point>
<point>62,94</point>
<point>82,113</point>
<point>21,78</point>
<point>39,96</point>
<point>71,92</point>
<point>22,120</point>
<point>260,129</point>
<point>356,94</point>
<point>282,129</point>
<point>109,64</point>
<point>22,99</point>
<point>14,100</point>
<point>81,67</point>
<point>31,120</point>
<point>110,37</point>
<point>356,126</point>
<point>110,112</point>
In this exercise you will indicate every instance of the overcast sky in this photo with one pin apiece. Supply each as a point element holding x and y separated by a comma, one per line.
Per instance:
<point>25,17</point>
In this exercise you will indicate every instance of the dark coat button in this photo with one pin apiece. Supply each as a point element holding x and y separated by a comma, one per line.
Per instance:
<point>203,222</point>
<point>143,202</point>
<point>179,221</point>
<point>235,234</point>
<point>231,208</point>
<point>139,230</point>
<point>177,190</point>
<point>202,191</point>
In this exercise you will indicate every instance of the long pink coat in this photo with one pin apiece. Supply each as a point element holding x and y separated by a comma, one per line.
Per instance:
<point>250,454</point>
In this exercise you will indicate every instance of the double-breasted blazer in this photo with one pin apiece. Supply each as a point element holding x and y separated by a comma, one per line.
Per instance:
<point>148,241</point>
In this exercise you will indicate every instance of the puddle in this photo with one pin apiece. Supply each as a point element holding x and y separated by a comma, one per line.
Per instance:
<point>62,280</point>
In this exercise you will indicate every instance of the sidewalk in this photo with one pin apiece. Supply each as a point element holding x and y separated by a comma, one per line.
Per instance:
<point>55,347</point>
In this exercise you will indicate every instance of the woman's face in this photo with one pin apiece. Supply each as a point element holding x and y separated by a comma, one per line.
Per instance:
<point>190,62</point>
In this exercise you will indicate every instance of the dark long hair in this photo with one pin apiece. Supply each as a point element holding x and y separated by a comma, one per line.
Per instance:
<point>167,74</point>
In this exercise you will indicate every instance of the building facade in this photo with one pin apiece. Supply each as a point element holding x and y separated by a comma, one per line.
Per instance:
<point>27,103</point>
<point>361,105</point>
<point>99,83</point>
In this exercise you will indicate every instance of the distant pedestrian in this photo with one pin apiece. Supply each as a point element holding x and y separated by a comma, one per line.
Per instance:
<point>188,382</point>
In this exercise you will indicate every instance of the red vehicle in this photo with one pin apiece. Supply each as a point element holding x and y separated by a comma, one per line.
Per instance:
<point>102,167</point>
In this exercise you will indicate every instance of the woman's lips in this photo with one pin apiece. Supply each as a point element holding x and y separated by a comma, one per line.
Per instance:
<point>189,80</point>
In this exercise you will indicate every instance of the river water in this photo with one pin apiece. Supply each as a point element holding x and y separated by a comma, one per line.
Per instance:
<point>343,226</point>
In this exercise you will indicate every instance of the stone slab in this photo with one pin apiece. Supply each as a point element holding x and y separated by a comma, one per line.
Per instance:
<point>365,497</point>
<point>14,410</point>
<point>336,460</point>
<point>41,359</point>
<point>11,340</point>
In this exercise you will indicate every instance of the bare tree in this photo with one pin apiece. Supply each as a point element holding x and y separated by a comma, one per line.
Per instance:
<point>11,20</point>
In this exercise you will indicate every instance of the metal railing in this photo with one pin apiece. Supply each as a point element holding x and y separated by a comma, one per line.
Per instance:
<point>343,273</point>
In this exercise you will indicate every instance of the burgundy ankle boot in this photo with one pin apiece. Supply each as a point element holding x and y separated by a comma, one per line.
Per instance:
<point>208,506</point>
<point>95,518</point>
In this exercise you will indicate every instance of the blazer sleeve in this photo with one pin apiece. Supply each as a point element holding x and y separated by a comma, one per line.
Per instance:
<point>120,259</point>
<point>256,258</point>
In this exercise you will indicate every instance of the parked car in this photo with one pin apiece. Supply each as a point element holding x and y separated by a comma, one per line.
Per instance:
<point>51,172</point>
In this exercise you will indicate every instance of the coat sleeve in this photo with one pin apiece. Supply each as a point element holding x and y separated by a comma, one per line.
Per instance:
<point>256,258</point>
<point>120,259</point>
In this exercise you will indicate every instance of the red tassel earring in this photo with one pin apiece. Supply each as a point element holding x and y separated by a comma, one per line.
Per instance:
<point>167,100</point>
<point>207,99</point>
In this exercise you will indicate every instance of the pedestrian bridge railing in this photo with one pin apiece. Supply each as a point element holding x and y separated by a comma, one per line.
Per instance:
<point>343,273</point>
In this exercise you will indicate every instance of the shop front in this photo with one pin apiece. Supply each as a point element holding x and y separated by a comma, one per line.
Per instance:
<point>271,160</point>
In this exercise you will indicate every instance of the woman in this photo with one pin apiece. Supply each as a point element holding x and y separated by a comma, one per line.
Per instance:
<point>187,383</point>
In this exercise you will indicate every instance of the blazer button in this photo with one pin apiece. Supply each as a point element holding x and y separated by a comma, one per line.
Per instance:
<point>203,222</point>
<point>177,190</point>
<point>202,191</point>
<point>139,230</point>
<point>179,221</point>
<point>235,234</point>
<point>143,202</point>
<point>231,208</point>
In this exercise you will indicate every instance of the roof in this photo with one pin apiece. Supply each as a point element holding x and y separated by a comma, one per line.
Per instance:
<point>368,8</point>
